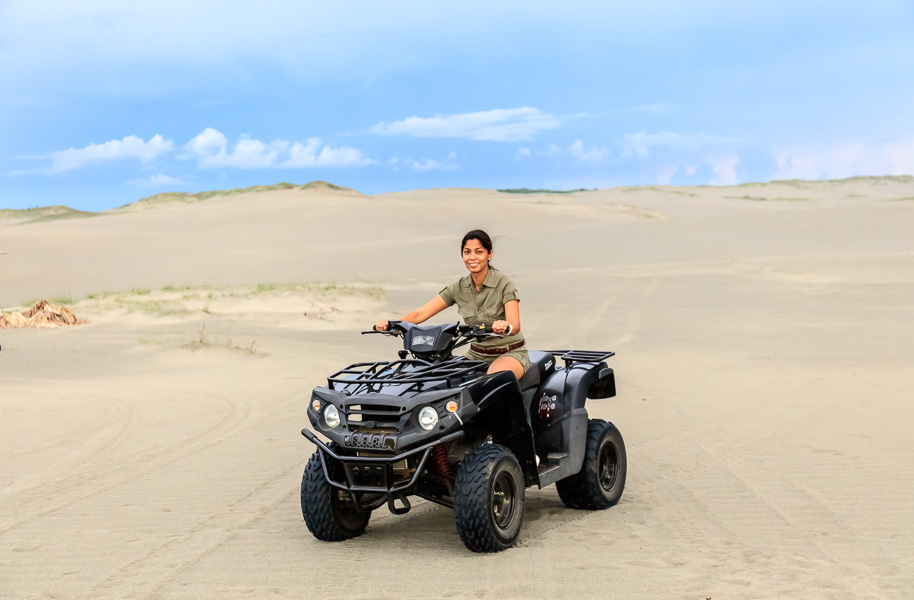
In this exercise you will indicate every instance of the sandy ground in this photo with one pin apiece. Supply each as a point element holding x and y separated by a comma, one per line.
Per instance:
<point>765,366</point>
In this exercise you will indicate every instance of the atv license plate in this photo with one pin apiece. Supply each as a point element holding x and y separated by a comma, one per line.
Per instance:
<point>370,441</point>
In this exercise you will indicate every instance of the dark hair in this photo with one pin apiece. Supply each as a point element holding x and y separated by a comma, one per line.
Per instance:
<point>477,234</point>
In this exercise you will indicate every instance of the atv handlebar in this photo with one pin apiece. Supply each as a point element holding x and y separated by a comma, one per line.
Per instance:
<point>392,329</point>
<point>470,331</point>
<point>483,331</point>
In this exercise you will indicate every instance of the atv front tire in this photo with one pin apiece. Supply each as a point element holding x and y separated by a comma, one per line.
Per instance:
<point>329,512</point>
<point>489,499</point>
<point>601,480</point>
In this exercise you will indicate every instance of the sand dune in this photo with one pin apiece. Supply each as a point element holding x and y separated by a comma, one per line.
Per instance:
<point>763,361</point>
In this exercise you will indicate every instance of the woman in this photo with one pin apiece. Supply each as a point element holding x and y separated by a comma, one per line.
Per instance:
<point>484,297</point>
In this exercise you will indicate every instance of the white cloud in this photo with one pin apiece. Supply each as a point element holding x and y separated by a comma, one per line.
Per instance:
<point>307,155</point>
<point>211,150</point>
<point>642,144</point>
<point>129,147</point>
<point>665,175</point>
<point>669,154</point>
<point>724,170</point>
<point>426,164</point>
<point>156,181</point>
<point>498,125</point>
<point>846,159</point>
<point>523,154</point>
<point>587,156</point>
<point>655,109</point>
<point>582,154</point>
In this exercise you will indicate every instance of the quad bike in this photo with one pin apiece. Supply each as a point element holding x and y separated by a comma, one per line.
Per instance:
<point>438,427</point>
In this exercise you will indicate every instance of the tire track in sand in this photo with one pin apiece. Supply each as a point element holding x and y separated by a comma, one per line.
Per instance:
<point>75,488</point>
<point>103,434</point>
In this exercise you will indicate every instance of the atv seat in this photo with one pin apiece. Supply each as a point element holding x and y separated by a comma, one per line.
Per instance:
<point>541,365</point>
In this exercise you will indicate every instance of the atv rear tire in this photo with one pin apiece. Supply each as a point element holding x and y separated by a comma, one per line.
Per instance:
<point>489,499</point>
<point>601,480</point>
<point>329,513</point>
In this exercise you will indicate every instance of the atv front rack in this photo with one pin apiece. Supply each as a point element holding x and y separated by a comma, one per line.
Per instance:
<point>373,376</point>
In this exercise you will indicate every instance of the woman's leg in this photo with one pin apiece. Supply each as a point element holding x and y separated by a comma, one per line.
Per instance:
<point>507,363</point>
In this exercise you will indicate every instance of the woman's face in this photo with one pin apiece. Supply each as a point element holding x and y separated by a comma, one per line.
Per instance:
<point>475,256</point>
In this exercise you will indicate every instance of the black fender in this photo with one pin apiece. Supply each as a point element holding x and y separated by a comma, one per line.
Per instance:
<point>503,416</point>
<point>560,418</point>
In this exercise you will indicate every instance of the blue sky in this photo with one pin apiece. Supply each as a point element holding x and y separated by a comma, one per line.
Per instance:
<point>104,102</point>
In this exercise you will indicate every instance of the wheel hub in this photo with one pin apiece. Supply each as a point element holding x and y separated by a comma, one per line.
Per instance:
<point>608,467</point>
<point>503,502</point>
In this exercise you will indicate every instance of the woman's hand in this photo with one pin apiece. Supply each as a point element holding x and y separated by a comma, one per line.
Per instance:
<point>381,325</point>
<point>500,327</point>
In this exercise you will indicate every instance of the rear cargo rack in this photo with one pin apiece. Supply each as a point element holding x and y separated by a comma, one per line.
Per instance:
<point>373,376</point>
<point>581,356</point>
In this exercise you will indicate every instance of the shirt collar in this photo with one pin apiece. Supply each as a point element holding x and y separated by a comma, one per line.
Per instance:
<point>489,281</point>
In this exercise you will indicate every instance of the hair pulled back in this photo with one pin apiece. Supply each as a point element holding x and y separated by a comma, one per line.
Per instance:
<point>477,234</point>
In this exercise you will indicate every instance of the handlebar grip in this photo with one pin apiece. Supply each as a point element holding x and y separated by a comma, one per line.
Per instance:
<point>390,327</point>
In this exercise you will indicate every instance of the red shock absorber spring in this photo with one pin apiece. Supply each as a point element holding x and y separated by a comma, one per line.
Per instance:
<point>441,460</point>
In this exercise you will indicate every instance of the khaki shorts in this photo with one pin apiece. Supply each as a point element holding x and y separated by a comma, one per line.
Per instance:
<point>519,354</point>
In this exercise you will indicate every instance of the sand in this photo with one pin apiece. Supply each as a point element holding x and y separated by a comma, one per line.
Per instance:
<point>764,367</point>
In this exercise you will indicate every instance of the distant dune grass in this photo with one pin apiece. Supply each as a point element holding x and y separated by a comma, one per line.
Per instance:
<point>40,214</point>
<point>205,340</point>
<point>184,197</point>
<point>667,189</point>
<point>59,212</point>
<point>172,300</point>
<point>542,191</point>
<point>766,199</point>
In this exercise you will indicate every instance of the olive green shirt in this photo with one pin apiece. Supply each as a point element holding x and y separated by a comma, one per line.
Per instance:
<point>485,306</point>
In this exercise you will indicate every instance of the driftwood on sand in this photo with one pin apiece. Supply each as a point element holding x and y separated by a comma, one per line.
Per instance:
<point>43,315</point>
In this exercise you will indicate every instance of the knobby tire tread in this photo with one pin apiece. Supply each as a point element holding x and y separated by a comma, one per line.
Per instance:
<point>582,490</point>
<point>471,502</point>
<point>316,505</point>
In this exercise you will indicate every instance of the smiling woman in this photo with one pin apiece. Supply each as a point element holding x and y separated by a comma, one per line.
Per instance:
<point>485,297</point>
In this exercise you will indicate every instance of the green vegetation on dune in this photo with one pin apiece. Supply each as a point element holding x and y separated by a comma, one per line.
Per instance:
<point>661,189</point>
<point>187,198</point>
<point>764,199</point>
<point>877,179</point>
<point>185,300</point>
<point>40,214</point>
<point>641,188</point>
<point>204,340</point>
<point>529,191</point>
<point>794,183</point>
<point>806,184</point>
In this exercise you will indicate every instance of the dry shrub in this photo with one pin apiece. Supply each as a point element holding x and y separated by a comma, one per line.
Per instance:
<point>43,315</point>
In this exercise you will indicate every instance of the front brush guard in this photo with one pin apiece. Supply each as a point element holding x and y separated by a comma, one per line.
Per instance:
<point>392,491</point>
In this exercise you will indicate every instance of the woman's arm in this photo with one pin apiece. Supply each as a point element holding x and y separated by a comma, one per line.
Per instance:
<point>512,318</point>
<point>431,308</point>
<point>420,315</point>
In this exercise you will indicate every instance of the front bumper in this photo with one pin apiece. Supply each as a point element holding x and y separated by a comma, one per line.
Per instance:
<point>375,474</point>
